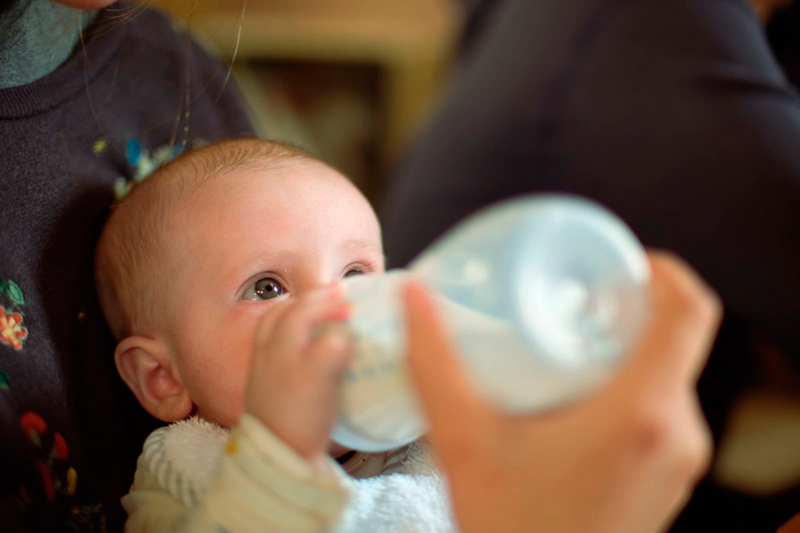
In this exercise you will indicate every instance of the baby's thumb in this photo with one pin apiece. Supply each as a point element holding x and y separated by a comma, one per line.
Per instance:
<point>453,409</point>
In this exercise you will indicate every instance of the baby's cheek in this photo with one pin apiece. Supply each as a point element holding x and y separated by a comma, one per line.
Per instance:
<point>223,358</point>
<point>221,399</point>
<point>225,408</point>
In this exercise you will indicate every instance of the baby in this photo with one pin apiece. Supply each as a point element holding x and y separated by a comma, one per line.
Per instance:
<point>214,275</point>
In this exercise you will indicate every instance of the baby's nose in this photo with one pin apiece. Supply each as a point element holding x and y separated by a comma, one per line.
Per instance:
<point>319,285</point>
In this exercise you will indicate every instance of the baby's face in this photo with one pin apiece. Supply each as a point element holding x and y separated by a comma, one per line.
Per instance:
<point>245,241</point>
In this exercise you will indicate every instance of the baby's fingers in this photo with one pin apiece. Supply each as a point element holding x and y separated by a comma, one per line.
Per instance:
<point>292,329</point>
<point>330,353</point>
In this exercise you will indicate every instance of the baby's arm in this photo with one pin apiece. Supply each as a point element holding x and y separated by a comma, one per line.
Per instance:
<point>262,485</point>
<point>293,496</point>
<point>250,481</point>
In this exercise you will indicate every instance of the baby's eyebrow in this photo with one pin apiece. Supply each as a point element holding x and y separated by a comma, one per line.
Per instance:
<point>247,268</point>
<point>363,245</point>
<point>360,243</point>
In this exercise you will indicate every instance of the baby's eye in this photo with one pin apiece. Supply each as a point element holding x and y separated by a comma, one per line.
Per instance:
<point>354,272</point>
<point>264,289</point>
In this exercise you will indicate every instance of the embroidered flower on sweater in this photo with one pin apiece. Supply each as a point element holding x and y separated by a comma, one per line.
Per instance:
<point>59,478</point>
<point>145,164</point>
<point>100,146</point>
<point>57,475</point>
<point>12,332</point>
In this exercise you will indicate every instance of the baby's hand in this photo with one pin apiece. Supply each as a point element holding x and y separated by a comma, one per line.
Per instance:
<point>294,380</point>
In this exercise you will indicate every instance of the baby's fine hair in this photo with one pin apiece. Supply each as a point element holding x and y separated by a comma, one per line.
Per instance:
<point>130,255</point>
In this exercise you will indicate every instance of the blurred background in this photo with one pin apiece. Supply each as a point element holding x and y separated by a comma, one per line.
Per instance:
<point>349,80</point>
<point>353,80</point>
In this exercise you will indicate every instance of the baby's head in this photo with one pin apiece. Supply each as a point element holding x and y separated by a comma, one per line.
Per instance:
<point>195,255</point>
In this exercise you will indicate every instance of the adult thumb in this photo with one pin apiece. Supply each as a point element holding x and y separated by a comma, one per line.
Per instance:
<point>453,408</point>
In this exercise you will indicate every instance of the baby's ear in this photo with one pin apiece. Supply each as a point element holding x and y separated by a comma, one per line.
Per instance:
<point>146,367</point>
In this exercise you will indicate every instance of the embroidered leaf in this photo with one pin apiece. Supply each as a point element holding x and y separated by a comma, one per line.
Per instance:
<point>5,381</point>
<point>3,286</point>
<point>121,188</point>
<point>100,146</point>
<point>35,438</point>
<point>14,293</point>
<point>72,481</point>
<point>134,151</point>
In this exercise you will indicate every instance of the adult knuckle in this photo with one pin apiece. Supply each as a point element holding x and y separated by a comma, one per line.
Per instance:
<point>699,306</point>
<point>695,454</point>
<point>687,467</point>
<point>668,432</point>
<point>712,305</point>
<point>705,303</point>
<point>665,259</point>
<point>650,430</point>
<point>683,285</point>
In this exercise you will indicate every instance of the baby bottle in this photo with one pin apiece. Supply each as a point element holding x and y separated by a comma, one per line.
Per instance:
<point>541,295</point>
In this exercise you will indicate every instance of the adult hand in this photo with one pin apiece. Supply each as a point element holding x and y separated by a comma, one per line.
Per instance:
<point>624,459</point>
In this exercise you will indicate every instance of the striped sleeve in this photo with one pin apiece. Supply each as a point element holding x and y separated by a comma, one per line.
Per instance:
<point>263,485</point>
